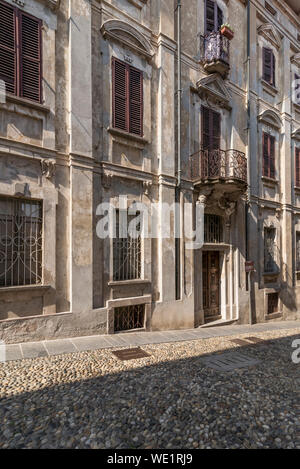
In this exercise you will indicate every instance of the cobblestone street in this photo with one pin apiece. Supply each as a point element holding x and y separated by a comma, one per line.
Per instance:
<point>171,399</point>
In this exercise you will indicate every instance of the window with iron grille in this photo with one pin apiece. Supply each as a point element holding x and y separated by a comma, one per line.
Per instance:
<point>270,250</point>
<point>268,155</point>
<point>127,92</point>
<point>273,303</point>
<point>126,249</point>
<point>20,52</point>
<point>298,251</point>
<point>297,167</point>
<point>268,66</point>
<point>213,229</point>
<point>20,242</point>
<point>129,317</point>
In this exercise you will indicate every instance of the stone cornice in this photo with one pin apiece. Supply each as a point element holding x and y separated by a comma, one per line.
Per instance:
<point>269,32</point>
<point>52,4</point>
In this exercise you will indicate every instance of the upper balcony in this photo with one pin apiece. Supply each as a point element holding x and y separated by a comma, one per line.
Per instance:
<point>214,53</point>
<point>226,168</point>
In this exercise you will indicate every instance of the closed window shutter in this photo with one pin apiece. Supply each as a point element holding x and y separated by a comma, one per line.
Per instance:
<point>266,155</point>
<point>119,95</point>
<point>8,47</point>
<point>268,66</point>
<point>272,157</point>
<point>216,130</point>
<point>297,167</point>
<point>210,16</point>
<point>30,57</point>
<point>135,102</point>
<point>211,129</point>
<point>205,128</point>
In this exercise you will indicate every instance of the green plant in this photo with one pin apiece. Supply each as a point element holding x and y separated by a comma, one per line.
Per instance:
<point>227,25</point>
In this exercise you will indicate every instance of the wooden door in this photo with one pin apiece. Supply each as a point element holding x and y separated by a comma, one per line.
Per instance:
<point>211,284</point>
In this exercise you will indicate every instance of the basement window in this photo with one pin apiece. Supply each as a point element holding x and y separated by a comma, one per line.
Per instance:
<point>273,299</point>
<point>128,318</point>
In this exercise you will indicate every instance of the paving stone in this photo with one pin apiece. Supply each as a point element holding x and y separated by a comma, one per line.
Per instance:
<point>13,352</point>
<point>89,343</point>
<point>57,347</point>
<point>33,350</point>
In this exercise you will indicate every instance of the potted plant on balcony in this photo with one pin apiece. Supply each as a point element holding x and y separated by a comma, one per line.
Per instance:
<point>227,31</point>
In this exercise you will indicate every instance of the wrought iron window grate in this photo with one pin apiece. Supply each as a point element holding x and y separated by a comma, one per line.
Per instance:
<point>20,242</point>
<point>129,317</point>
<point>126,251</point>
<point>213,229</point>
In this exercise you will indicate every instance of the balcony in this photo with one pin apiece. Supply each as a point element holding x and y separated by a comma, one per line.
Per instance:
<point>214,53</point>
<point>225,168</point>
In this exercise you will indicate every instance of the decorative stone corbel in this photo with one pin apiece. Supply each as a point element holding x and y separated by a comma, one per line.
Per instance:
<point>227,205</point>
<point>107,180</point>
<point>48,168</point>
<point>147,187</point>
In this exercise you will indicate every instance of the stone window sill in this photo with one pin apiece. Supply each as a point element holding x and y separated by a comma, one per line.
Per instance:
<point>24,288</point>
<point>127,135</point>
<point>26,102</point>
<point>270,88</point>
<point>270,181</point>
<point>269,317</point>
<point>128,282</point>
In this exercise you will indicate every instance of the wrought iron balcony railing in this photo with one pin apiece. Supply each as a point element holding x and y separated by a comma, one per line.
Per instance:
<point>214,49</point>
<point>216,164</point>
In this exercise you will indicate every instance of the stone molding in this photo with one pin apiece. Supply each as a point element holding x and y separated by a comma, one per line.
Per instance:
<point>138,3</point>
<point>296,134</point>
<point>296,59</point>
<point>213,90</point>
<point>270,117</point>
<point>270,34</point>
<point>127,35</point>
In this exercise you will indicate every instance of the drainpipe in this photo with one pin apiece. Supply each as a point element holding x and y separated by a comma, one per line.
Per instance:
<point>248,203</point>
<point>178,195</point>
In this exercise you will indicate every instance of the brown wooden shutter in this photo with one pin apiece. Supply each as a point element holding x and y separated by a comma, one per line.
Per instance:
<point>120,111</point>
<point>8,57</point>
<point>272,157</point>
<point>205,128</point>
<point>216,130</point>
<point>209,16</point>
<point>265,155</point>
<point>297,167</point>
<point>30,57</point>
<point>211,129</point>
<point>267,64</point>
<point>135,101</point>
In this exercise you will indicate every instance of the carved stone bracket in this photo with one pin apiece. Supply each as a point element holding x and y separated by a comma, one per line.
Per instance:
<point>48,168</point>
<point>107,180</point>
<point>147,188</point>
<point>227,205</point>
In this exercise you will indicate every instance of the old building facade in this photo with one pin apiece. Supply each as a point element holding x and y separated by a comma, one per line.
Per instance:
<point>145,101</point>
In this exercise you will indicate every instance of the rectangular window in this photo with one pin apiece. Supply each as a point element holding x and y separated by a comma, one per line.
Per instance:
<point>128,318</point>
<point>21,242</point>
<point>211,129</point>
<point>273,303</point>
<point>213,229</point>
<point>269,66</point>
<point>126,249</point>
<point>298,251</point>
<point>127,98</point>
<point>268,156</point>
<point>297,167</point>
<point>270,250</point>
<point>213,16</point>
<point>20,52</point>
